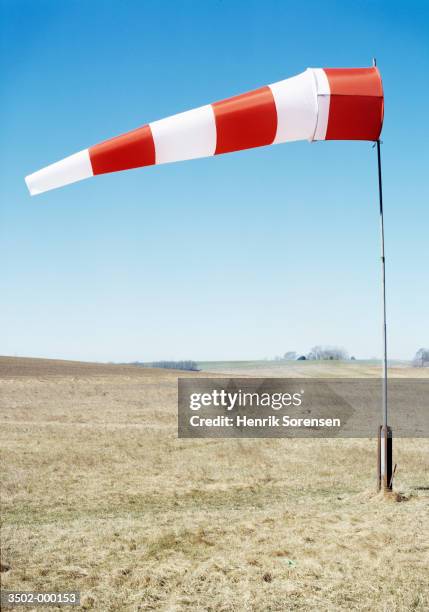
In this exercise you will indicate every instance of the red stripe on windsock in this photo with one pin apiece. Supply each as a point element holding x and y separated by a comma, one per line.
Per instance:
<point>131,150</point>
<point>245,121</point>
<point>356,104</point>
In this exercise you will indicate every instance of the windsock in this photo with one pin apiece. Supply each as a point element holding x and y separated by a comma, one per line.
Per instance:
<point>318,104</point>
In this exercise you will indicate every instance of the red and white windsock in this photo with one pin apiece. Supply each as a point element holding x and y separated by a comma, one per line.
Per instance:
<point>318,104</point>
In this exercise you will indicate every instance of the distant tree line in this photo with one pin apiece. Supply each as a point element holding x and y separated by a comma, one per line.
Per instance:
<point>317,353</point>
<point>421,358</point>
<point>328,352</point>
<point>176,365</point>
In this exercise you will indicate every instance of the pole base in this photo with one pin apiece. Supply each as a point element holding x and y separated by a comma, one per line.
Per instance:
<point>384,459</point>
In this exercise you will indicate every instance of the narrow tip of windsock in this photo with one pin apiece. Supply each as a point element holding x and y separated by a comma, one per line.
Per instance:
<point>69,170</point>
<point>29,181</point>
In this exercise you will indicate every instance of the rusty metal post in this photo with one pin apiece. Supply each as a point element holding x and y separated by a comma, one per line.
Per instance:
<point>384,459</point>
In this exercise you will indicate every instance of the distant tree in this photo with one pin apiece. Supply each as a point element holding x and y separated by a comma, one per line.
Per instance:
<point>327,352</point>
<point>176,365</point>
<point>290,356</point>
<point>421,358</point>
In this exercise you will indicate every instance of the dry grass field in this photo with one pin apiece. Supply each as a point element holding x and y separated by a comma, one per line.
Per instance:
<point>99,495</point>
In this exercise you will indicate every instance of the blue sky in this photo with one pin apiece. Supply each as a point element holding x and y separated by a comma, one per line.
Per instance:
<point>241,256</point>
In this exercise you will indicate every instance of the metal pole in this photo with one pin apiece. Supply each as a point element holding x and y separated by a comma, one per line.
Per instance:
<point>383,274</point>
<point>384,460</point>
<point>384,448</point>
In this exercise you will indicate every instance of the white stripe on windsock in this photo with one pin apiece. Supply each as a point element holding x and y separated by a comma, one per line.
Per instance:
<point>69,170</point>
<point>296,105</point>
<point>323,102</point>
<point>185,136</point>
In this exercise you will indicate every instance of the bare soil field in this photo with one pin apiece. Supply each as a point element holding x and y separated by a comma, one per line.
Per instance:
<point>15,367</point>
<point>99,495</point>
